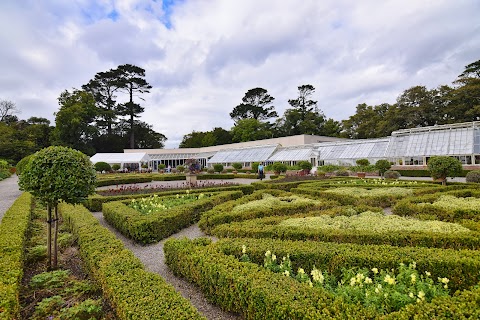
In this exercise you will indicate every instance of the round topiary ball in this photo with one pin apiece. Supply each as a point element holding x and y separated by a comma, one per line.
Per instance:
<point>473,176</point>
<point>391,174</point>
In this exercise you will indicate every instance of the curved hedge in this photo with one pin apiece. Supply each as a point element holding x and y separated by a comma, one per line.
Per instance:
<point>13,228</point>
<point>134,292</point>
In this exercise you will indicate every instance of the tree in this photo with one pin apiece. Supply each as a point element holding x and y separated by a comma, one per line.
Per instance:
<point>382,166</point>
<point>7,110</point>
<point>303,104</point>
<point>256,105</point>
<point>56,174</point>
<point>103,87</point>
<point>132,82</point>
<point>250,130</point>
<point>441,167</point>
<point>74,121</point>
<point>279,167</point>
<point>198,139</point>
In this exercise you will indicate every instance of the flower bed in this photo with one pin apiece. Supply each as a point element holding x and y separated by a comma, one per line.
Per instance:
<point>134,292</point>
<point>261,204</point>
<point>150,228</point>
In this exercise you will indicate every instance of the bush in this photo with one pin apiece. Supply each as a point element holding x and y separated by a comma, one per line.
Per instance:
<point>382,166</point>
<point>255,166</point>
<point>102,166</point>
<point>279,167</point>
<point>161,166</point>
<point>115,167</point>
<point>362,162</point>
<point>237,166</point>
<point>211,170</point>
<point>22,164</point>
<point>305,165</point>
<point>342,173</point>
<point>391,174</point>
<point>441,167</point>
<point>180,169</point>
<point>473,176</point>
<point>218,167</point>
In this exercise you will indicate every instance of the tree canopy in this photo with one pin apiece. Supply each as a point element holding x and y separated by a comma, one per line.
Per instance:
<point>256,104</point>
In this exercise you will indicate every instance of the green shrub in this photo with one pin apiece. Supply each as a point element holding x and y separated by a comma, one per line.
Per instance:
<point>441,167</point>
<point>134,292</point>
<point>180,169</point>
<point>161,166</point>
<point>279,167</point>
<point>237,166</point>
<point>255,166</point>
<point>473,176</point>
<point>13,229</point>
<point>391,174</point>
<point>102,166</point>
<point>115,167</point>
<point>305,165</point>
<point>211,170</point>
<point>123,179</point>
<point>342,173</point>
<point>382,166</point>
<point>218,167</point>
<point>22,163</point>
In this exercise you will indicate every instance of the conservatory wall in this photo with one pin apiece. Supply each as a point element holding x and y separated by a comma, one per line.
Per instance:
<point>245,156</point>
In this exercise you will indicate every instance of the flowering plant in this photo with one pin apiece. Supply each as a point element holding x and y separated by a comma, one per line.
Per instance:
<point>193,165</point>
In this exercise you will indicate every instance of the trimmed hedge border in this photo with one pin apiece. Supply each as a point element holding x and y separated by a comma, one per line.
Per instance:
<point>424,173</point>
<point>94,203</point>
<point>156,226</point>
<point>134,292</point>
<point>269,228</point>
<point>122,180</point>
<point>223,213</point>
<point>462,267</point>
<point>251,290</point>
<point>13,229</point>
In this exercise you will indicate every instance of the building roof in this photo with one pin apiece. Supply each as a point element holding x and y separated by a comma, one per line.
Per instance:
<point>252,154</point>
<point>119,158</point>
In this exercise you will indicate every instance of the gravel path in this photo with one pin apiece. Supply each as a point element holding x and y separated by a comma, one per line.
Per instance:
<point>9,192</point>
<point>153,258</point>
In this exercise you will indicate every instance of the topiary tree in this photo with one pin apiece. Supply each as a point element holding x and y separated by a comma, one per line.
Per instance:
<point>102,166</point>
<point>217,167</point>
<point>255,166</point>
<point>115,166</point>
<point>391,174</point>
<point>306,166</point>
<point>180,169</point>
<point>473,176</point>
<point>362,164</point>
<point>22,163</point>
<point>237,166</point>
<point>279,167</point>
<point>441,167</point>
<point>382,166</point>
<point>56,174</point>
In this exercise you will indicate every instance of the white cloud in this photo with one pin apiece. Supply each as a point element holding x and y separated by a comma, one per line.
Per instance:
<point>201,56</point>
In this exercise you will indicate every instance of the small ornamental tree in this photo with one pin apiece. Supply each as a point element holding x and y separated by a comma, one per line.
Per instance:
<point>102,166</point>
<point>306,166</point>
<point>362,164</point>
<point>218,167</point>
<point>237,166</point>
<point>441,167</point>
<point>22,164</point>
<point>382,166</point>
<point>57,174</point>
<point>279,167</point>
<point>115,167</point>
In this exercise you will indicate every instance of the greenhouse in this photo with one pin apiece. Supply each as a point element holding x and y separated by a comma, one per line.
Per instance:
<point>130,161</point>
<point>245,156</point>
<point>346,153</point>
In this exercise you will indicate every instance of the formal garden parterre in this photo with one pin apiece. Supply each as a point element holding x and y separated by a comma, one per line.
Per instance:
<point>322,227</point>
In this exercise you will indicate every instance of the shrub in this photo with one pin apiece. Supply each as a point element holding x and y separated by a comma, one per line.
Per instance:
<point>441,167</point>
<point>342,173</point>
<point>279,167</point>
<point>473,176</point>
<point>102,166</point>
<point>305,165</point>
<point>161,166</point>
<point>211,170</point>
<point>255,166</point>
<point>237,166</point>
<point>180,169</point>
<point>22,164</point>
<point>115,167</point>
<point>218,167</point>
<point>362,162</point>
<point>391,174</point>
<point>382,166</point>
<point>4,164</point>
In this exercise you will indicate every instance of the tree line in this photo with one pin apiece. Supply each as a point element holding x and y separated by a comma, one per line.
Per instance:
<point>103,116</point>
<point>255,117</point>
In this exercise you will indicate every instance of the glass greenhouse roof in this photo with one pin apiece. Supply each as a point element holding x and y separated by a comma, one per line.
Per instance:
<point>173,156</point>
<point>452,141</point>
<point>253,154</point>
<point>120,157</point>
<point>374,148</point>
<point>292,154</point>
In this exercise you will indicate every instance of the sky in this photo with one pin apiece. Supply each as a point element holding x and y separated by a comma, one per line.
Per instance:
<point>202,56</point>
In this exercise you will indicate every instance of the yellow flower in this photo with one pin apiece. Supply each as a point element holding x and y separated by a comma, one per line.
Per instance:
<point>353,281</point>
<point>443,280</point>
<point>389,280</point>
<point>413,278</point>
<point>301,271</point>
<point>274,257</point>
<point>428,273</point>
<point>286,273</point>
<point>375,270</point>
<point>368,280</point>
<point>421,295</point>
<point>411,295</point>
<point>244,249</point>
<point>317,275</point>
<point>268,253</point>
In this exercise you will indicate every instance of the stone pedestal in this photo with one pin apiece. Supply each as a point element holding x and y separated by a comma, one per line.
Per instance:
<point>191,178</point>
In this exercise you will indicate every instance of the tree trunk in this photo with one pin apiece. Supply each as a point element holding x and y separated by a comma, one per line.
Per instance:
<point>49,237</point>
<point>55,237</point>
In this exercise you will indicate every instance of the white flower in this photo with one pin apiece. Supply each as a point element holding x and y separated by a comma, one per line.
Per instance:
<point>443,280</point>
<point>286,273</point>
<point>428,273</point>
<point>274,257</point>
<point>268,253</point>
<point>244,249</point>
<point>368,280</point>
<point>411,295</point>
<point>413,265</point>
<point>317,275</point>
<point>353,281</point>
<point>421,295</point>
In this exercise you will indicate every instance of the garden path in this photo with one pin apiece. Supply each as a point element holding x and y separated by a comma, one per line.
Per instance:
<point>153,258</point>
<point>9,192</point>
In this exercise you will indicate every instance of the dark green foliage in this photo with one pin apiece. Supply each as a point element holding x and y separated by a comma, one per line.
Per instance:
<point>342,173</point>
<point>382,166</point>
<point>133,291</point>
<point>441,167</point>
<point>279,167</point>
<point>362,164</point>
<point>115,166</point>
<point>391,174</point>
<point>218,167</point>
<point>237,166</point>
<point>102,166</point>
<point>122,179</point>
<point>473,176</point>
<point>22,164</point>
<point>305,165</point>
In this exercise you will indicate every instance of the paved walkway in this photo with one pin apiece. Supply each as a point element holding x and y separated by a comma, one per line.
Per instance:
<point>9,192</point>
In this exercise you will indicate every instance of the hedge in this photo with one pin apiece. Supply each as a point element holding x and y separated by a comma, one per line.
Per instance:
<point>224,213</point>
<point>134,292</point>
<point>13,229</point>
<point>251,290</point>
<point>424,173</point>
<point>123,180</point>
<point>462,267</point>
<point>156,226</point>
<point>269,228</point>
<point>94,203</point>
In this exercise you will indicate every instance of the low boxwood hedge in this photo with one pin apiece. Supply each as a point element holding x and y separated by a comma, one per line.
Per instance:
<point>155,226</point>
<point>94,203</point>
<point>269,228</point>
<point>251,290</point>
<point>424,173</point>
<point>462,267</point>
<point>134,292</point>
<point>225,213</point>
<point>13,229</point>
<point>123,180</point>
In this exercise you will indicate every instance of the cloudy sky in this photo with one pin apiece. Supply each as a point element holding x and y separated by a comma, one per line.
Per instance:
<point>201,56</point>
